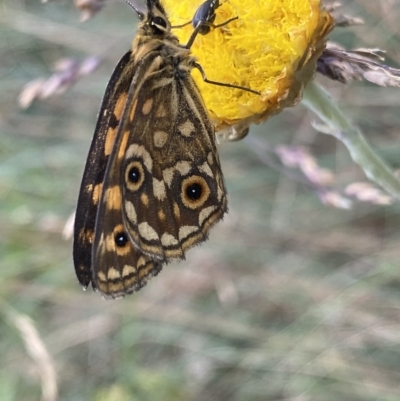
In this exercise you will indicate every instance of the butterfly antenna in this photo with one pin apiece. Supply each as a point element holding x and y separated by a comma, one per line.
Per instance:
<point>140,14</point>
<point>130,4</point>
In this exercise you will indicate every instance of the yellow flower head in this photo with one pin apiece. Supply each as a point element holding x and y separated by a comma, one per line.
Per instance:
<point>271,48</point>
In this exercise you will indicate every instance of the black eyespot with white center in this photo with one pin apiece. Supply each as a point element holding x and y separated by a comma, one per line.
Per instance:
<point>121,239</point>
<point>194,191</point>
<point>134,175</point>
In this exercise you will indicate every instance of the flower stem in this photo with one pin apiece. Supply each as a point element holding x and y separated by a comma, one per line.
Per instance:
<point>320,102</point>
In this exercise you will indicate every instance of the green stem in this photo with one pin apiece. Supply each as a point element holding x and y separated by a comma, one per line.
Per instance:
<point>320,102</point>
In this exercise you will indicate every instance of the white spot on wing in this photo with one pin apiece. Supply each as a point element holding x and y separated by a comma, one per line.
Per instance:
<point>141,262</point>
<point>186,129</point>
<point>168,240</point>
<point>205,168</point>
<point>205,213</point>
<point>101,276</point>
<point>128,270</point>
<point>160,138</point>
<point>159,189</point>
<point>168,175</point>
<point>182,167</point>
<point>131,212</point>
<point>185,231</point>
<point>147,232</point>
<point>140,151</point>
<point>113,274</point>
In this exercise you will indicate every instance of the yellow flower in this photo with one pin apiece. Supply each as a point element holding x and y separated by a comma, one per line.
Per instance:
<point>272,48</point>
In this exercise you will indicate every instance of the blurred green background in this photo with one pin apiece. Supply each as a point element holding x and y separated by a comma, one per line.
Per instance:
<point>288,300</point>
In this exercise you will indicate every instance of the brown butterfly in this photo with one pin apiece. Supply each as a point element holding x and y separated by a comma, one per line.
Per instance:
<point>152,186</point>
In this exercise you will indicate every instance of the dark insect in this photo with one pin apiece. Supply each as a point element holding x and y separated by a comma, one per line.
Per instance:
<point>203,20</point>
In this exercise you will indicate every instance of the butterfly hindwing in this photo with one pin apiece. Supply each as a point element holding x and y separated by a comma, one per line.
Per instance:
<point>182,193</point>
<point>165,167</point>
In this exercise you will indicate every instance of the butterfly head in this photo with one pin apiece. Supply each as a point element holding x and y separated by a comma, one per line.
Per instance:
<point>155,22</point>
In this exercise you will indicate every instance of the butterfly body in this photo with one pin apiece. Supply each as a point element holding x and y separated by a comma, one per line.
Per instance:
<point>152,186</point>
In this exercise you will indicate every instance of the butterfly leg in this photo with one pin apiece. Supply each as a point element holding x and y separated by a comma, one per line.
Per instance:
<point>205,79</point>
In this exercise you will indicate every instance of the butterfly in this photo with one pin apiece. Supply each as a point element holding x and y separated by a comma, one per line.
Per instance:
<point>152,186</point>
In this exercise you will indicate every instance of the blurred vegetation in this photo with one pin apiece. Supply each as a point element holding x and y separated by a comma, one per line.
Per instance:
<point>288,300</point>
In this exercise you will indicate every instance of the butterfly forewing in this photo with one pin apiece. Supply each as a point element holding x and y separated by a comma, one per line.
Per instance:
<point>96,164</point>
